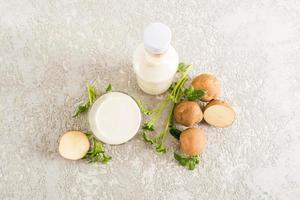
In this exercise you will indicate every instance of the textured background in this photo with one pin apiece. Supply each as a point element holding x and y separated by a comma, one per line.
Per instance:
<point>49,51</point>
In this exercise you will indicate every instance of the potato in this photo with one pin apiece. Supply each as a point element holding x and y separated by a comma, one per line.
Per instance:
<point>73,145</point>
<point>219,113</point>
<point>192,141</point>
<point>188,113</point>
<point>210,84</point>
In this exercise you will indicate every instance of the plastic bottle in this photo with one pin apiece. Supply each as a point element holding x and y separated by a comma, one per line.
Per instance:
<point>155,61</point>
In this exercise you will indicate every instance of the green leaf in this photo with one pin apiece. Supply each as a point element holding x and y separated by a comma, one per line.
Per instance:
<point>175,132</point>
<point>181,160</point>
<point>108,88</point>
<point>160,148</point>
<point>82,108</point>
<point>181,67</point>
<point>174,95</point>
<point>96,152</point>
<point>191,94</point>
<point>190,162</point>
<point>148,127</point>
<point>148,138</point>
<point>92,94</point>
<point>106,159</point>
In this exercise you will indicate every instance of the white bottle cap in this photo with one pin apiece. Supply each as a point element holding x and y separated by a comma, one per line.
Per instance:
<point>157,38</point>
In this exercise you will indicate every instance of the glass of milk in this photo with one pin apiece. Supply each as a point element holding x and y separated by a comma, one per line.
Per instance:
<point>155,61</point>
<point>114,118</point>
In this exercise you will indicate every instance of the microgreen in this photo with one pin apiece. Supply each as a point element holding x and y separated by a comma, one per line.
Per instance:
<point>176,93</point>
<point>148,127</point>
<point>174,96</point>
<point>92,96</point>
<point>181,67</point>
<point>108,88</point>
<point>84,107</point>
<point>96,152</point>
<point>175,132</point>
<point>190,162</point>
<point>191,94</point>
<point>159,140</point>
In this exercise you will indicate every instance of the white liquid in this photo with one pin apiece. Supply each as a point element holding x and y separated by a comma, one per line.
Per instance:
<point>155,72</point>
<point>114,118</point>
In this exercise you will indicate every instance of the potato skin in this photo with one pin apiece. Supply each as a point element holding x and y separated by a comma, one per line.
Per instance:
<point>210,84</point>
<point>188,113</point>
<point>217,102</point>
<point>192,141</point>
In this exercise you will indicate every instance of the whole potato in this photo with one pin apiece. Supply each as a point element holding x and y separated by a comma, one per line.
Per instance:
<point>188,113</point>
<point>192,141</point>
<point>210,84</point>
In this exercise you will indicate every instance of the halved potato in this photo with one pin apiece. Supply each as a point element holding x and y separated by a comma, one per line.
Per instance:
<point>219,113</point>
<point>73,145</point>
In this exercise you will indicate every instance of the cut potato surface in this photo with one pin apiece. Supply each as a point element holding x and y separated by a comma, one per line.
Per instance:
<point>219,113</point>
<point>73,145</point>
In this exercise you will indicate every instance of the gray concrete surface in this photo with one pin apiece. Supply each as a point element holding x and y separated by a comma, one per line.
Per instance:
<point>49,51</point>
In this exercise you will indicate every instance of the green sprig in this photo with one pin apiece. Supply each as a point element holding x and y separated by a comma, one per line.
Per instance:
<point>108,88</point>
<point>96,152</point>
<point>190,162</point>
<point>191,94</point>
<point>175,132</point>
<point>92,96</point>
<point>182,67</point>
<point>84,107</point>
<point>174,96</point>
<point>148,127</point>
